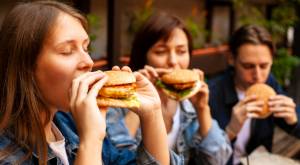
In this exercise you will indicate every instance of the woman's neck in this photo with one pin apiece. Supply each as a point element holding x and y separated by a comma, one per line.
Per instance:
<point>169,108</point>
<point>50,136</point>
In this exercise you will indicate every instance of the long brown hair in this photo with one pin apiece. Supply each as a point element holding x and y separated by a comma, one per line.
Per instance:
<point>22,36</point>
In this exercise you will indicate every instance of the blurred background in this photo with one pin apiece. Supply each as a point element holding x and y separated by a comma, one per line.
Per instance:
<point>113,24</point>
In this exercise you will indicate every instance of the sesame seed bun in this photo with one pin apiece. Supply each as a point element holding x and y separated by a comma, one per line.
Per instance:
<point>263,92</point>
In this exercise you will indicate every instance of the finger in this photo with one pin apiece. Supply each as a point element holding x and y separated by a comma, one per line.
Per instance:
<point>126,68</point>
<point>283,114</point>
<point>97,86</point>
<point>86,83</point>
<point>141,80</point>
<point>281,109</point>
<point>253,115</point>
<point>116,68</point>
<point>249,99</point>
<point>151,71</point>
<point>75,86</point>
<point>254,109</point>
<point>282,102</point>
<point>162,71</point>
<point>145,73</point>
<point>256,103</point>
<point>200,73</point>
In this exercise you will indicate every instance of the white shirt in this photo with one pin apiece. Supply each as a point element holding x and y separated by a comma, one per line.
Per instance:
<point>239,149</point>
<point>172,135</point>
<point>58,146</point>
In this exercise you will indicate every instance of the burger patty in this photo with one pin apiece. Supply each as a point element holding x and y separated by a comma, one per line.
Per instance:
<point>183,86</point>
<point>118,91</point>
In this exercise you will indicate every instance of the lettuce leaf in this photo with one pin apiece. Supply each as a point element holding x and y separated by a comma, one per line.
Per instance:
<point>181,93</point>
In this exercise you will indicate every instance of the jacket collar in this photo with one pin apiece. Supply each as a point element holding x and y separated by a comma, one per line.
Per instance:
<point>229,91</point>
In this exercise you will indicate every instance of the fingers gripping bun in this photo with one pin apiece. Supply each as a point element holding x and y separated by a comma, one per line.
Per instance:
<point>263,92</point>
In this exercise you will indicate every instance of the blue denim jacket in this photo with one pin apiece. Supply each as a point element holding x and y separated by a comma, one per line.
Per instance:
<point>213,149</point>
<point>65,124</point>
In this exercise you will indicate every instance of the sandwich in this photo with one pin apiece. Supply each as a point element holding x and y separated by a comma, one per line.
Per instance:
<point>179,84</point>
<point>263,92</point>
<point>118,91</point>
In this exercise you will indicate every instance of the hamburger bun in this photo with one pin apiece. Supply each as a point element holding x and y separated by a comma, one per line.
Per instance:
<point>179,84</point>
<point>263,92</point>
<point>118,91</point>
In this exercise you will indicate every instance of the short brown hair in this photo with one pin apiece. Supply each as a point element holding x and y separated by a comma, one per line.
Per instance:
<point>250,34</point>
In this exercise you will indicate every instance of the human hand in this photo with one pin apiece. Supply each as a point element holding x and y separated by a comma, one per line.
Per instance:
<point>90,121</point>
<point>247,107</point>
<point>283,107</point>
<point>200,99</point>
<point>153,73</point>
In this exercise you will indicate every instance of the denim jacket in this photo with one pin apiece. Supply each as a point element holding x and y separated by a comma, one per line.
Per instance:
<point>65,123</point>
<point>213,149</point>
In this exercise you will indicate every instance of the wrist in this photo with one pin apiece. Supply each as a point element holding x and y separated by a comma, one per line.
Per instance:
<point>91,145</point>
<point>292,121</point>
<point>231,134</point>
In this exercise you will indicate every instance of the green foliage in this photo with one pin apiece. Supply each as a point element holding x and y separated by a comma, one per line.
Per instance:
<point>138,17</point>
<point>94,24</point>
<point>283,65</point>
<point>197,30</point>
<point>283,16</point>
<point>248,14</point>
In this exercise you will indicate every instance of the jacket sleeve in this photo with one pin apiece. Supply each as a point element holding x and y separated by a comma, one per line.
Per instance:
<point>144,157</point>
<point>117,131</point>
<point>214,149</point>
<point>291,129</point>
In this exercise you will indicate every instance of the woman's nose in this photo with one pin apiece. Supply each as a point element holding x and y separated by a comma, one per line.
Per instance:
<point>86,63</point>
<point>172,61</point>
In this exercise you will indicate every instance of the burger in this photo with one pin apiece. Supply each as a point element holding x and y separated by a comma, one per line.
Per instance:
<point>179,84</point>
<point>263,92</point>
<point>118,91</point>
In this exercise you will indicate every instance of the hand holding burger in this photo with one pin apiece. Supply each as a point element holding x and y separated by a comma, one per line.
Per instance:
<point>263,92</point>
<point>129,90</point>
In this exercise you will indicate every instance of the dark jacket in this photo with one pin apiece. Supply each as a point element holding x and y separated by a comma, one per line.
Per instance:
<point>223,97</point>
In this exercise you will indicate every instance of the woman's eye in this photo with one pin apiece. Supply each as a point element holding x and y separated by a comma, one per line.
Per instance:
<point>181,52</point>
<point>160,52</point>
<point>67,52</point>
